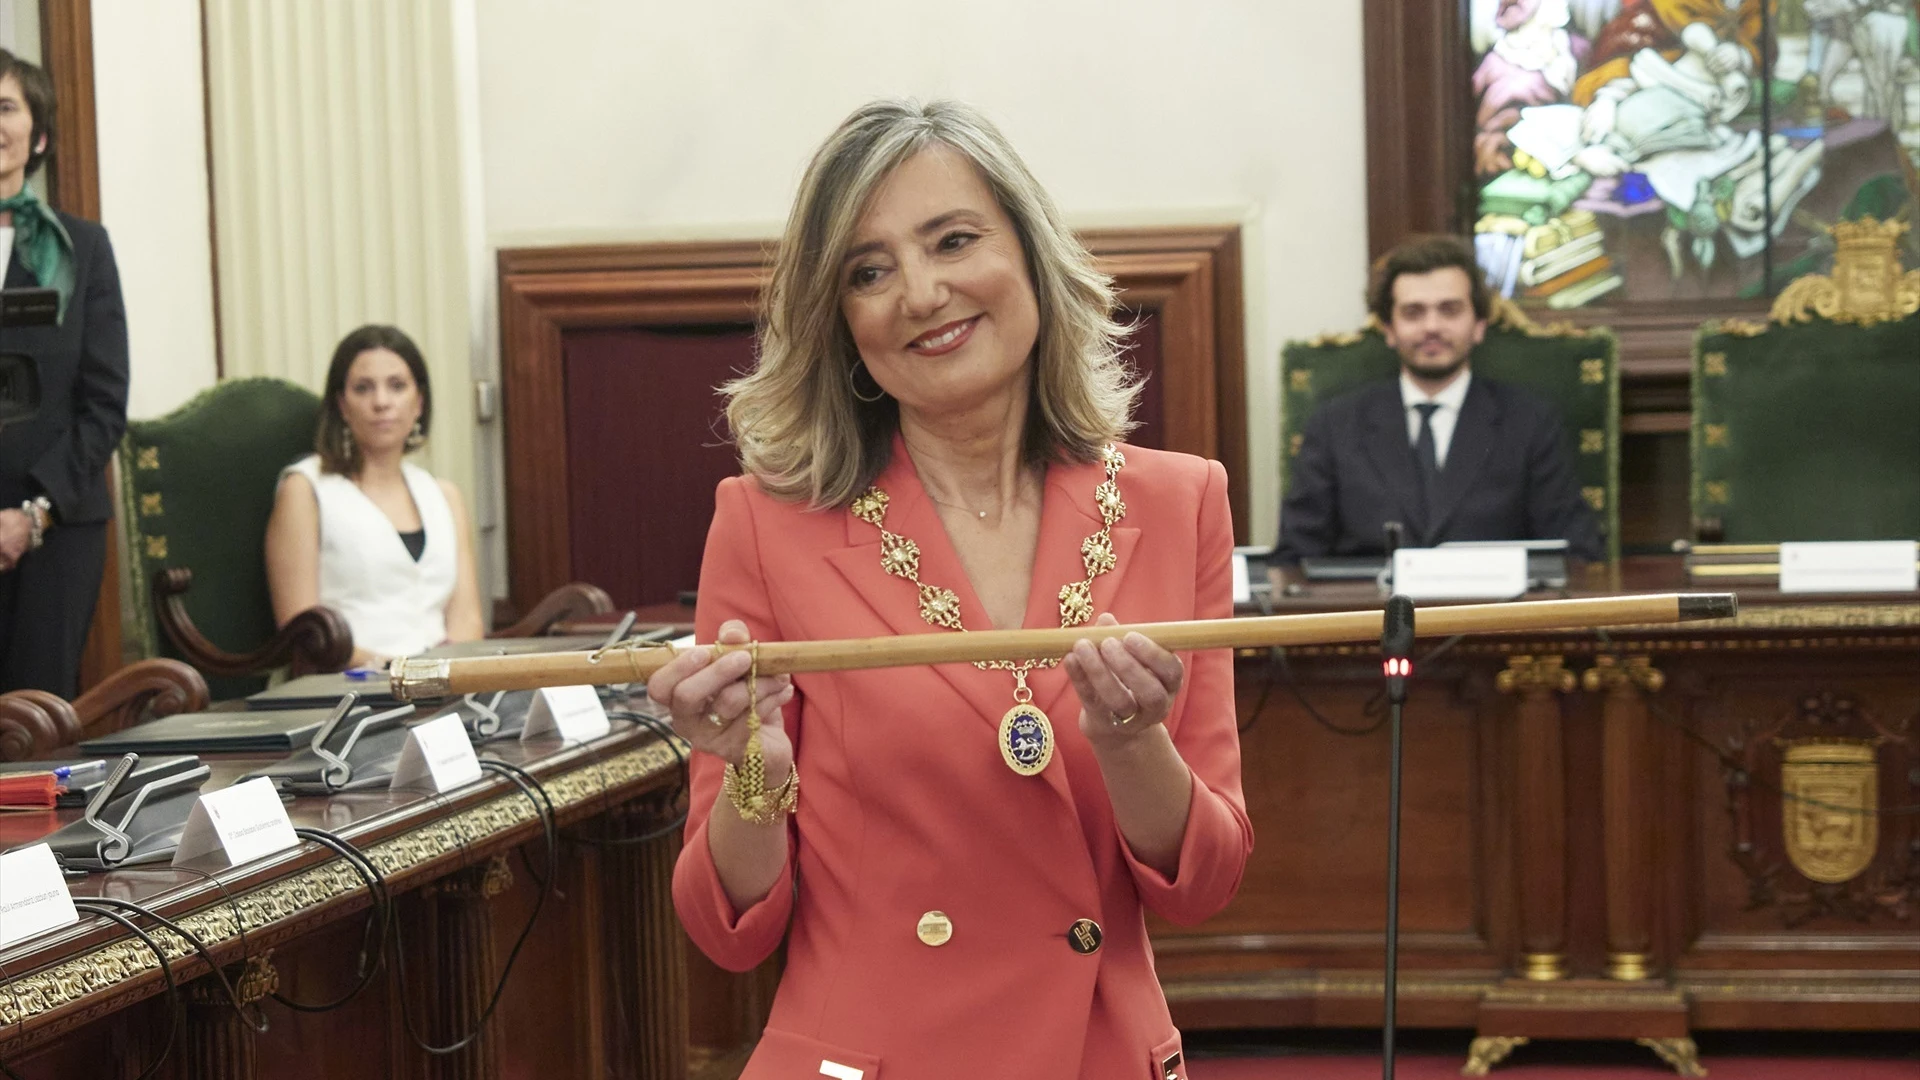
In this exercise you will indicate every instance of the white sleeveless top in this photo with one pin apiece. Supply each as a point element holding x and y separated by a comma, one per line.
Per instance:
<point>394,605</point>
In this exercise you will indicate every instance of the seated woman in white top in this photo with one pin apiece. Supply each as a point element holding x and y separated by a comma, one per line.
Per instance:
<point>358,529</point>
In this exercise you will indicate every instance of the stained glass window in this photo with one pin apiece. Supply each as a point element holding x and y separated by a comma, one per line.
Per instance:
<point>1650,150</point>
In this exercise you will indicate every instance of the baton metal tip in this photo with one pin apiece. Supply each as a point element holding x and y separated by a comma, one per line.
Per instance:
<point>1708,606</point>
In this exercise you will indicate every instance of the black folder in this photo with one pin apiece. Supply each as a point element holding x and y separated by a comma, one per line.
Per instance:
<point>275,731</point>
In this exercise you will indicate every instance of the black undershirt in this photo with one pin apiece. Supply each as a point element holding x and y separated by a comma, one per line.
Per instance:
<point>416,542</point>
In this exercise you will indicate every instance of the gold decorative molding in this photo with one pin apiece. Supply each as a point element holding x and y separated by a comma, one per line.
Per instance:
<point>1629,967</point>
<point>103,969</point>
<point>1681,1053</point>
<point>1714,364</point>
<point>1866,286</point>
<point>1535,674</point>
<point>1587,996</point>
<point>1455,986</point>
<point>1544,966</point>
<point>259,979</point>
<point>1511,316</point>
<point>1610,673</point>
<point>1488,1051</point>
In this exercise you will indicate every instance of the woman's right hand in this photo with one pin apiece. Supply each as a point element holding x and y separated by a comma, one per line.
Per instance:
<point>700,689</point>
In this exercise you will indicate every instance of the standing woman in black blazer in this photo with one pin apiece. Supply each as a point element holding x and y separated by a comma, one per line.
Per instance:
<point>54,501</point>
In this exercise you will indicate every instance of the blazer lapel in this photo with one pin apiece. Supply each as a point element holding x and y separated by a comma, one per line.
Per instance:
<point>912,515</point>
<point>1473,439</point>
<point>1386,441</point>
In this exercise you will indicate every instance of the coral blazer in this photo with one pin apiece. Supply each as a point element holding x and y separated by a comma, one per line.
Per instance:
<point>906,806</point>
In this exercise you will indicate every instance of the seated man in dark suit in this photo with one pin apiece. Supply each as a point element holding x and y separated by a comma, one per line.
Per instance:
<point>1448,455</point>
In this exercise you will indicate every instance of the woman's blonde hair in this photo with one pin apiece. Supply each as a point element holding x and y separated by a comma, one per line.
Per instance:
<point>794,418</point>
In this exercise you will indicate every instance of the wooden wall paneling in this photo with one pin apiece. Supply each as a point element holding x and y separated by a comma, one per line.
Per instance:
<point>1419,120</point>
<point>66,32</point>
<point>538,303</point>
<point>1201,266</point>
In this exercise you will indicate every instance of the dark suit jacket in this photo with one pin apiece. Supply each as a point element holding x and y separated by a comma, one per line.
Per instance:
<point>1509,476</point>
<point>62,451</point>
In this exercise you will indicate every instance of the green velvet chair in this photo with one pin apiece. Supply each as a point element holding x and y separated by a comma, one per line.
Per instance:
<point>1578,370</point>
<point>1808,427</point>
<point>197,487</point>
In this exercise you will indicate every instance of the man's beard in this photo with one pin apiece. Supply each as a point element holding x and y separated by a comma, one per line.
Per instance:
<point>1428,371</point>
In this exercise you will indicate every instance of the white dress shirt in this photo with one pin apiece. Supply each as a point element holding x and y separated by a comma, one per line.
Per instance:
<point>1445,417</point>
<point>6,251</point>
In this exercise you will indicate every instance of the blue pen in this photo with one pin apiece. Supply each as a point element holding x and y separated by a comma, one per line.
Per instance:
<point>65,773</point>
<point>361,674</point>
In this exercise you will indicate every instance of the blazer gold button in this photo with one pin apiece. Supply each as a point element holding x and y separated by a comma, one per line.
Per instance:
<point>1084,936</point>
<point>935,928</point>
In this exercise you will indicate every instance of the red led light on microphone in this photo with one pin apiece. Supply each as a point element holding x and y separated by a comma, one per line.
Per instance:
<point>1397,666</point>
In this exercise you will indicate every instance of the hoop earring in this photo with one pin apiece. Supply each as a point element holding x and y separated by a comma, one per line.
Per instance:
<point>853,383</point>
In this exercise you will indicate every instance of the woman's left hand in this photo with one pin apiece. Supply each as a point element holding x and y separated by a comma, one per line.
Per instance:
<point>1126,685</point>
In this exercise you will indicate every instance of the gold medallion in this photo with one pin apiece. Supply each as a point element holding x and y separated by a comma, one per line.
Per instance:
<point>1026,739</point>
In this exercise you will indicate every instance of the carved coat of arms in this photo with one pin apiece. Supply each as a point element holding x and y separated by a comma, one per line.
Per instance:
<point>1832,790</point>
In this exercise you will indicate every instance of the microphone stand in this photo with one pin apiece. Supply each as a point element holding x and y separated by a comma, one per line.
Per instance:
<point>1396,650</point>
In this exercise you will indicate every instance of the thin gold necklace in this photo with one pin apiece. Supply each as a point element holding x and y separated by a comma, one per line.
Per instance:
<point>1026,735</point>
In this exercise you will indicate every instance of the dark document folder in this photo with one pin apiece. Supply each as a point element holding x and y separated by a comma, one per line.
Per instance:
<point>273,731</point>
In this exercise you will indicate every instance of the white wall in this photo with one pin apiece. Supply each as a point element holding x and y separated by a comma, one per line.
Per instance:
<point>153,192</point>
<point>616,120</point>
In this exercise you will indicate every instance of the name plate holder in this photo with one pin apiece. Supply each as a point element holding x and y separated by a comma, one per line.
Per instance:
<point>240,824</point>
<point>438,756</point>
<point>1490,572</point>
<point>33,895</point>
<point>573,713</point>
<point>1850,566</point>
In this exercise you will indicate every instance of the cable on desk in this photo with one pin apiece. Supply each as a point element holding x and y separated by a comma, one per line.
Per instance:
<point>257,1021</point>
<point>666,734</point>
<point>542,801</point>
<point>19,1017</point>
<point>380,915</point>
<point>166,969</point>
<point>1277,662</point>
<point>506,970</point>
<point>239,921</point>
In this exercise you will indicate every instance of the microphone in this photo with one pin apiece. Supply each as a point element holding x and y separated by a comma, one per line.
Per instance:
<point>1396,651</point>
<point>1396,647</point>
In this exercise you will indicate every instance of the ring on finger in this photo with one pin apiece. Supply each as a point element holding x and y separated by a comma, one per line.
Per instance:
<point>1123,721</point>
<point>715,719</point>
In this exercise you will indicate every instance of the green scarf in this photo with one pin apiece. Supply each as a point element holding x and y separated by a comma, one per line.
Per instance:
<point>42,244</point>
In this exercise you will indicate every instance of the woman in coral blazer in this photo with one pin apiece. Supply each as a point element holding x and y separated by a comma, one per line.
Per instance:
<point>931,442</point>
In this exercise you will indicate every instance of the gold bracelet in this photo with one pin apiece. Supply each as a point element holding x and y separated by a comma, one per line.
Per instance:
<point>746,786</point>
<point>761,807</point>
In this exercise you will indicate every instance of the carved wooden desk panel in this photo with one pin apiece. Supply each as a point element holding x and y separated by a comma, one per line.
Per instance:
<point>596,991</point>
<point>1594,835</point>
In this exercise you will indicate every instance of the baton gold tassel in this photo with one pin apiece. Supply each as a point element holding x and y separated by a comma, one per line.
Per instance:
<point>746,786</point>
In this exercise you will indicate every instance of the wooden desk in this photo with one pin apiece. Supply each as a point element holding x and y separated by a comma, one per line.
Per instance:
<point>1593,840</point>
<point>596,992</point>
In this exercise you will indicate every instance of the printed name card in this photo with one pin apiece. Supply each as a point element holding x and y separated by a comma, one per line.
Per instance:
<point>438,756</point>
<point>1850,566</point>
<point>33,895</point>
<point>1463,573</point>
<point>574,713</point>
<point>241,823</point>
